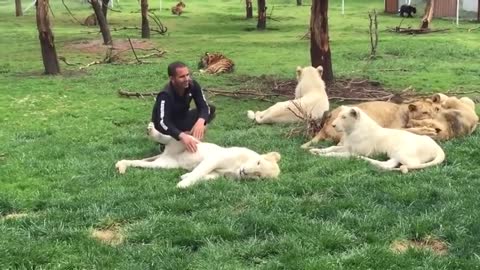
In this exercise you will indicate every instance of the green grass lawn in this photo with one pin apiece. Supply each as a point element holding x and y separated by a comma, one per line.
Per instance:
<point>61,136</point>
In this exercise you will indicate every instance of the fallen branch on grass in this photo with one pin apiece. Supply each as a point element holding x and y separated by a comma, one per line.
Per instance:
<point>133,50</point>
<point>64,59</point>
<point>161,28</point>
<point>235,94</point>
<point>472,29</point>
<point>312,125</point>
<point>306,35</point>
<point>135,28</point>
<point>150,9</point>
<point>69,12</point>
<point>111,58</point>
<point>412,31</point>
<point>125,93</point>
<point>245,93</point>
<point>349,90</point>
<point>91,64</point>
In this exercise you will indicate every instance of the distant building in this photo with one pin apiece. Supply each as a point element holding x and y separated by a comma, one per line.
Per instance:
<point>468,9</point>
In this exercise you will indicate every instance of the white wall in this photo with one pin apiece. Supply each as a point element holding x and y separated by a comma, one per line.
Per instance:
<point>470,5</point>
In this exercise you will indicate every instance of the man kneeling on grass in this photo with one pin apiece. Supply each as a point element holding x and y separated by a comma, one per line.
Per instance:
<point>172,117</point>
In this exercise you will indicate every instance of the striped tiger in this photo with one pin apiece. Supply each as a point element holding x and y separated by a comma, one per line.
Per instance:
<point>214,63</point>
<point>178,8</point>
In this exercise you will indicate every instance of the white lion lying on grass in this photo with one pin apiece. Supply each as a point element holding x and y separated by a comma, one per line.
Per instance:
<point>310,101</point>
<point>209,162</point>
<point>364,137</point>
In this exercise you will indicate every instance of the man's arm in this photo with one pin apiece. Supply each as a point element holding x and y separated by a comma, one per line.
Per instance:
<point>162,116</point>
<point>200,101</point>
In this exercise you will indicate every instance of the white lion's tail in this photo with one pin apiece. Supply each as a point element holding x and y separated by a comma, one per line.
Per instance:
<point>439,158</point>
<point>251,115</point>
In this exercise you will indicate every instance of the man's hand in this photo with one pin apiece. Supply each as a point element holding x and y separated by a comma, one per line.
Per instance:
<point>189,142</point>
<point>198,129</point>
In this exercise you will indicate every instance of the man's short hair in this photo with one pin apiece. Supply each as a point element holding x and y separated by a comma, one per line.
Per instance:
<point>172,68</point>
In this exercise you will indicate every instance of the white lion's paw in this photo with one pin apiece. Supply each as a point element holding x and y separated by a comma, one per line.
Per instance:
<point>305,145</point>
<point>317,151</point>
<point>184,176</point>
<point>184,184</point>
<point>121,166</point>
<point>150,128</point>
<point>251,115</point>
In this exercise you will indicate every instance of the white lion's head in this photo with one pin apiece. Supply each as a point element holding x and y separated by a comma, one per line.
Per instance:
<point>347,119</point>
<point>309,72</point>
<point>309,79</point>
<point>265,166</point>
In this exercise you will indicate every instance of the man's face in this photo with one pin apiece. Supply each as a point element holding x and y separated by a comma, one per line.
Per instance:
<point>181,79</point>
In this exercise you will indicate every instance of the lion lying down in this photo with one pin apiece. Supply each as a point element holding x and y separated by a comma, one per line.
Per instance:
<point>209,162</point>
<point>310,100</point>
<point>456,118</point>
<point>440,117</point>
<point>363,137</point>
<point>386,114</point>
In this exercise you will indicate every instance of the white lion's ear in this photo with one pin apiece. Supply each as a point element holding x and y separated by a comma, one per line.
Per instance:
<point>320,70</point>
<point>354,113</point>
<point>436,98</point>
<point>439,98</point>
<point>272,156</point>
<point>299,71</point>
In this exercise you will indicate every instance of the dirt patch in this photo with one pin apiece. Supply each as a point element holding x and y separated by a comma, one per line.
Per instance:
<point>429,243</point>
<point>120,52</point>
<point>111,236</point>
<point>64,72</point>
<point>350,90</point>
<point>97,46</point>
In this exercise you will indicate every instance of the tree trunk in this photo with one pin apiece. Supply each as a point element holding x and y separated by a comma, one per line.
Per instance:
<point>249,8</point>
<point>45,35</point>
<point>145,26</point>
<point>262,15</point>
<point>299,2</point>
<point>102,22</point>
<point>105,8</point>
<point>18,8</point>
<point>427,18</point>
<point>319,41</point>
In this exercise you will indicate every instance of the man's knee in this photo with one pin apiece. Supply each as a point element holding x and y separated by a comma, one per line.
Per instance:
<point>212,114</point>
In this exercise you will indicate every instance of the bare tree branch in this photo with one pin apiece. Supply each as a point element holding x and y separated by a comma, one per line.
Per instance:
<point>69,12</point>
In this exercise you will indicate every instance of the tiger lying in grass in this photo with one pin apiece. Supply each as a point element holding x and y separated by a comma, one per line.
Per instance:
<point>178,8</point>
<point>215,63</point>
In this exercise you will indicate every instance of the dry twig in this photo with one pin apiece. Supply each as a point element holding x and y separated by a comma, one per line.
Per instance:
<point>69,12</point>
<point>472,29</point>
<point>412,31</point>
<point>125,93</point>
<point>306,35</point>
<point>133,28</point>
<point>133,50</point>
<point>161,28</point>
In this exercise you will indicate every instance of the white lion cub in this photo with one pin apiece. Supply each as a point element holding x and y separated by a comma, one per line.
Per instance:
<point>364,137</point>
<point>310,100</point>
<point>209,162</point>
